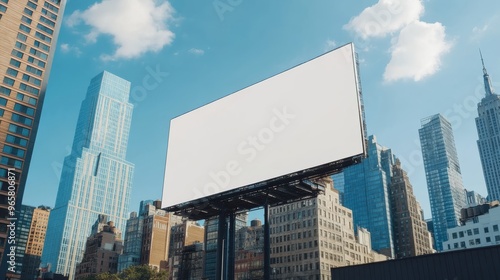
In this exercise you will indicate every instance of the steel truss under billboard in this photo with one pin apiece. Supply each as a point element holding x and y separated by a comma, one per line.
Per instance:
<point>267,140</point>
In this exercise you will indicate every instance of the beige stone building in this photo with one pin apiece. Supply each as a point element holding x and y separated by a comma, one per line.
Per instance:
<point>310,237</point>
<point>411,237</point>
<point>28,36</point>
<point>102,249</point>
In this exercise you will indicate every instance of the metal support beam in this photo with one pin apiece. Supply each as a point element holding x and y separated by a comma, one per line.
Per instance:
<point>231,246</point>
<point>267,243</point>
<point>221,239</point>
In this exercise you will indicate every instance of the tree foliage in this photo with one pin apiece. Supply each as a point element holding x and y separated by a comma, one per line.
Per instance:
<point>137,272</point>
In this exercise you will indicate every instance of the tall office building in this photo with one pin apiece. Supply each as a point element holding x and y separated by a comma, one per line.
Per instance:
<point>310,237</point>
<point>444,179</point>
<point>183,235</point>
<point>411,237</point>
<point>366,193</point>
<point>488,130</point>
<point>28,32</point>
<point>96,178</point>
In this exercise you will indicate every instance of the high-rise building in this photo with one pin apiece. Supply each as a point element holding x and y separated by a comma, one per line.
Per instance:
<point>366,193</point>
<point>211,228</point>
<point>102,249</point>
<point>488,130</point>
<point>411,237</point>
<point>192,262</point>
<point>444,179</point>
<point>156,231</point>
<point>96,178</point>
<point>181,236</point>
<point>28,32</point>
<point>310,237</point>
<point>474,198</point>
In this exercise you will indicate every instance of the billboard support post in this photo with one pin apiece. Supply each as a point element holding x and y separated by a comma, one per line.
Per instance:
<point>267,243</point>
<point>221,239</point>
<point>231,246</point>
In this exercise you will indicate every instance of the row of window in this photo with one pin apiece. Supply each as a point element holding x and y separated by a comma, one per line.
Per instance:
<point>474,231</point>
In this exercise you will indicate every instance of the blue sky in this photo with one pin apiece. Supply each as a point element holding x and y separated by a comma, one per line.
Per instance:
<point>417,58</point>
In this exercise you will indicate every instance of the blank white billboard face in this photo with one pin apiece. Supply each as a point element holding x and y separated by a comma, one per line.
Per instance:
<point>299,119</point>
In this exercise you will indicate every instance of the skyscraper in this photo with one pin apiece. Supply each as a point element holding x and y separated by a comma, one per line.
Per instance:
<point>488,130</point>
<point>96,178</point>
<point>444,179</point>
<point>411,237</point>
<point>366,193</point>
<point>28,32</point>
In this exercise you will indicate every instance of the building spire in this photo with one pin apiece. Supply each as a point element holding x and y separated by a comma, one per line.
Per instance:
<point>487,81</point>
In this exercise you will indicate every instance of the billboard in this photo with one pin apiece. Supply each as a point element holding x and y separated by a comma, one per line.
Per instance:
<point>304,117</point>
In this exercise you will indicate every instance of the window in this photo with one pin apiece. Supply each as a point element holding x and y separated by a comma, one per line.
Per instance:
<point>17,53</point>
<point>469,232</point>
<point>33,70</point>
<point>43,37</point>
<point>36,62</point>
<point>497,238</point>
<point>29,89</point>
<point>461,234</point>
<point>13,151</point>
<point>478,241</point>
<point>488,239</point>
<point>20,46</point>
<point>476,231</point>
<point>32,5</point>
<point>454,235</point>
<point>4,90</point>
<point>24,28</point>
<point>3,9</point>
<point>495,228</point>
<point>39,54</point>
<point>16,140</point>
<point>15,63</point>
<point>42,46</point>
<point>25,98</point>
<point>486,230</point>
<point>44,29</point>
<point>47,21</point>
<point>8,81</point>
<point>462,244</point>
<point>11,162</point>
<point>5,1</point>
<point>51,7</point>
<point>49,14</point>
<point>22,119</point>
<point>31,80</point>
<point>24,109</point>
<point>28,12</point>
<point>26,19</point>
<point>19,130</point>
<point>1,112</point>
<point>11,72</point>
<point>22,37</point>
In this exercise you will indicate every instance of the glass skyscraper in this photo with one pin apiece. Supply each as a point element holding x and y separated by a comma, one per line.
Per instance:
<point>444,179</point>
<point>488,130</point>
<point>96,178</point>
<point>366,193</point>
<point>28,38</point>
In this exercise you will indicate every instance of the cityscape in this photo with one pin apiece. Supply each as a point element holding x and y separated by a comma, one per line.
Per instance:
<point>89,92</point>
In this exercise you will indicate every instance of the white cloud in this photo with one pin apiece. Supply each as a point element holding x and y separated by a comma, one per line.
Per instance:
<point>67,48</point>
<point>385,17</point>
<point>136,26</point>
<point>196,51</point>
<point>417,52</point>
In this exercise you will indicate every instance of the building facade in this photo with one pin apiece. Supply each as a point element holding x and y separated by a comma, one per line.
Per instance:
<point>480,228</point>
<point>444,179</point>
<point>488,130</point>
<point>181,256</point>
<point>411,237</point>
<point>102,249</point>
<point>310,237</point>
<point>366,193</point>
<point>249,255</point>
<point>132,244</point>
<point>96,178</point>
<point>211,228</point>
<point>29,31</point>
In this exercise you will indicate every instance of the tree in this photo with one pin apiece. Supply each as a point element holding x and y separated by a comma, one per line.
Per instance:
<point>136,272</point>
